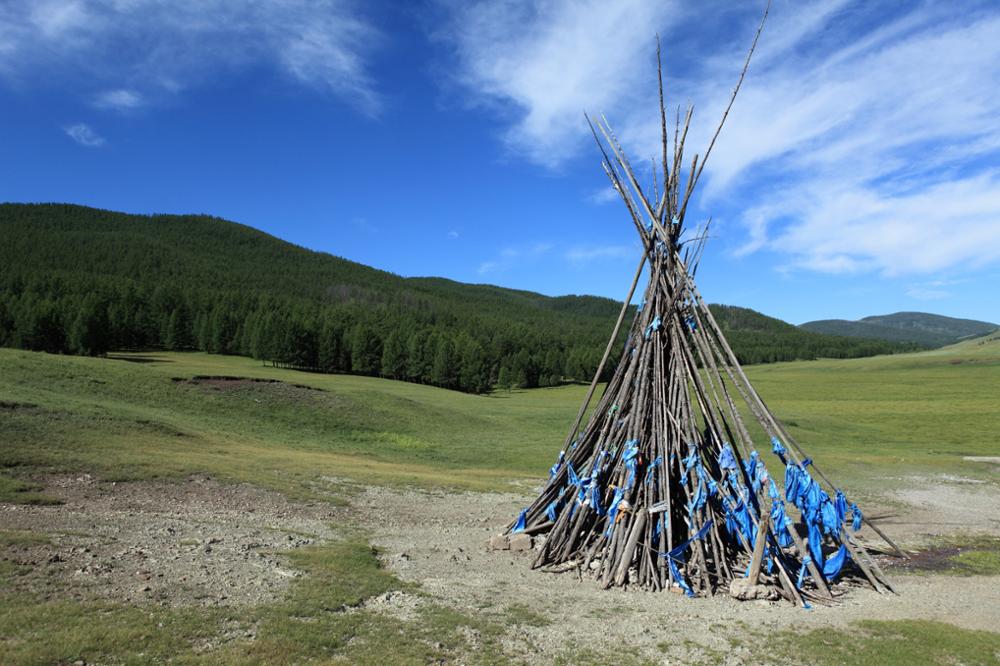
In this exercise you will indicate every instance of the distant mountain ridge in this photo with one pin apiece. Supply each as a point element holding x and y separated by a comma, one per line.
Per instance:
<point>923,328</point>
<point>753,335</point>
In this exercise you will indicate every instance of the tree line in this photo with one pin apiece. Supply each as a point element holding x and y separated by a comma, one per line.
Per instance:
<point>86,281</point>
<point>351,338</point>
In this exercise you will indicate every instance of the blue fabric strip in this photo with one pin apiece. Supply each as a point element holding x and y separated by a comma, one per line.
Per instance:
<point>832,567</point>
<point>727,460</point>
<point>520,524</point>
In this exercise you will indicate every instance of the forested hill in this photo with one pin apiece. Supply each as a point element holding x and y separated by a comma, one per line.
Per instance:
<point>755,337</point>
<point>923,328</point>
<point>81,280</point>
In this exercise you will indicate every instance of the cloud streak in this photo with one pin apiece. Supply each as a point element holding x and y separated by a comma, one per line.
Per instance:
<point>864,140</point>
<point>132,48</point>
<point>511,257</point>
<point>877,156</point>
<point>119,100</point>
<point>545,62</point>
<point>586,255</point>
<point>84,135</point>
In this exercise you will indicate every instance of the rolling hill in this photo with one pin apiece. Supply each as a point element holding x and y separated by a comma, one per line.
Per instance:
<point>929,330</point>
<point>81,280</point>
<point>757,338</point>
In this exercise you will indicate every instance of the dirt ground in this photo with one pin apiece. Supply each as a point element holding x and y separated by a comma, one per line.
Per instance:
<point>439,540</point>
<point>201,542</point>
<point>175,544</point>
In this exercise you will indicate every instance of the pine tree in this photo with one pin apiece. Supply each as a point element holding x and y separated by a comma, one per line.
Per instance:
<point>299,347</point>
<point>42,329</point>
<point>419,356</point>
<point>6,325</point>
<point>444,372</point>
<point>177,336</point>
<point>260,336</point>
<point>202,334</point>
<point>394,356</point>
<point>90,332</point>
<point>503,379</point>
<point>331,348</point>
<point>552,367</point>
<point>366,350</point>
<point>474,373</point>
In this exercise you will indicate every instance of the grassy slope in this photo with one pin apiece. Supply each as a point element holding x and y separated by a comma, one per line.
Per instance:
<point>860,418</point>
<point>888,415</point>
<point>86,412</point>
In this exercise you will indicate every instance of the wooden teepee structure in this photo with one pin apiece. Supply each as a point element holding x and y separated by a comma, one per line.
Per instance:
<point>664,487</point>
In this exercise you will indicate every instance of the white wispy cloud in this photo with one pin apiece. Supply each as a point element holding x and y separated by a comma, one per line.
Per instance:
<point>933,290</point>
<point>119,100</point>
<point>365,225</point>
<point>549,61</point>
<point>84,135</point>
<point>603,196</point>
<point>510,257</point>
<point>140,48</point>
<point>452,234</point>
<point>587,254</point>
<point>865,137</point>
<point>926,294</point>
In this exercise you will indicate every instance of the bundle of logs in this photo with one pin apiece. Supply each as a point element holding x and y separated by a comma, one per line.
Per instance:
<point>664,486</point>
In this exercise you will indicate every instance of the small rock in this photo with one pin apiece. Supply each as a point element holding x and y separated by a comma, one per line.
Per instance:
<point>742,589</point>
<point>520,542</point>
<point>499,542</point>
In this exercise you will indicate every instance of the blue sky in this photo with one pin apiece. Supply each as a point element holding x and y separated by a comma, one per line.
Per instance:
<point>859,172</point>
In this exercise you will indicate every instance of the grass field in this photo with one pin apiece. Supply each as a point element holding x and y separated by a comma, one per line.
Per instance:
<point>861,419</point>
<point>140,416</point>
<point>130,419</point>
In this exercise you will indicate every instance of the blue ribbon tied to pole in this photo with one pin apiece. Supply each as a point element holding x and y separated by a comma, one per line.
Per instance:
<point>676,556</point>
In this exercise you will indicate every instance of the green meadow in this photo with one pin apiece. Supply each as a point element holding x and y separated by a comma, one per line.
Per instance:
<point>135,416</point>
<point>144,416</point>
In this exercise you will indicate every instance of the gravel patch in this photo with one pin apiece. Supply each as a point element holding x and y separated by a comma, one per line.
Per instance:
<point>204,543</point>
<point>439,540</point>
<point>195,543</point>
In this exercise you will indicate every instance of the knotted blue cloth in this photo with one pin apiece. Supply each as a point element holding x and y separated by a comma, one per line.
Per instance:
<point>555,468</point>
<point>832,567</point>
<point>727,460</point>
<point>653,326</point>
<point>677,556</point>
<point>520,524</point>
